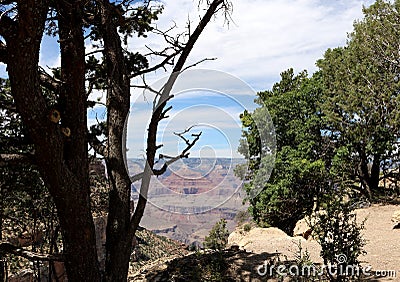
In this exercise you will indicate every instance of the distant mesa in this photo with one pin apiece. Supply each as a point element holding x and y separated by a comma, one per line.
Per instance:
<point>190,190</point>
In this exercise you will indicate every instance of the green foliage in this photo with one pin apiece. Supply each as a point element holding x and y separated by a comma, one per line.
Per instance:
<point>362,103</point>
<point>12,138</point>
<point>302,257</point>
<point>300,173</point>
<point>218,236</point>
<point>247,227</point>
<point>339,128</point>
<point>337,231</point>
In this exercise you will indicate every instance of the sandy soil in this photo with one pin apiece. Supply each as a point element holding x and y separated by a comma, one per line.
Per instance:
<point>382,244</point>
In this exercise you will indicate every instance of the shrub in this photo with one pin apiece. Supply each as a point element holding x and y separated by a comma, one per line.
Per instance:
<point>247,227</point>
<point>339,235</point>
<point>218,236</point>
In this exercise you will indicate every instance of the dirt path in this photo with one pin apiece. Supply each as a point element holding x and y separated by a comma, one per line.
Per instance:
<point>382,243</point>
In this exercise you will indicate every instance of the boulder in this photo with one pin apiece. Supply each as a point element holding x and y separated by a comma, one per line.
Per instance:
<point>256,237</point>
<point>302,228</point>
<point>396,219</point>
<point>396,216</point>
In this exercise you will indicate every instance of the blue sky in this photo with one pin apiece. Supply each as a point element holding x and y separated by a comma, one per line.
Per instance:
<point>265,38</point>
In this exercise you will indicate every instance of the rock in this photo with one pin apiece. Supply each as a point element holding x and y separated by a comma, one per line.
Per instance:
<point>396,216</point>
<point>396,219</point>
<point>249,240</point>
<point>302,229</point>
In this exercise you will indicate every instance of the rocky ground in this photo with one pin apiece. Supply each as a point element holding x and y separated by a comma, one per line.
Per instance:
<point>259,245</point>
<point>157,258</point>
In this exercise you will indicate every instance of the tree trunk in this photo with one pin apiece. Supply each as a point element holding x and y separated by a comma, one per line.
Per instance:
<point>73,108</point>
<point>373,181</point>
<point>2,272</point>
<point>119,232</point>
<point>62,171</point>
<point>369,177</point>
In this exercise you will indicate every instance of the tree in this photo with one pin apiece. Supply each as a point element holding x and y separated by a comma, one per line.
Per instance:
<point>300,174</point>
<point>57,127</point>
<point>362,104</point>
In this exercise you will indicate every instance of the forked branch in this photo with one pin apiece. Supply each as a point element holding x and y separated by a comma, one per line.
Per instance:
<point>157,115</point>
<point>184,154</point>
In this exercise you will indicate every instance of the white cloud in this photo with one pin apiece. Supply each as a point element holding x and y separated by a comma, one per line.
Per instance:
<point>268,36</point>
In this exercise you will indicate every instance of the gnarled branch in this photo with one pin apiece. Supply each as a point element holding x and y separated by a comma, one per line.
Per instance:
<point>183,154</point>
<point>213,8</point>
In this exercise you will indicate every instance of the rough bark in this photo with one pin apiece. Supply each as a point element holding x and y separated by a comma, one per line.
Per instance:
<point>61,175</point>
<point>119,235</point>
<point>80,245</point>
<point>369,177</point>
<point>62,158</point>
<point>2,266</point>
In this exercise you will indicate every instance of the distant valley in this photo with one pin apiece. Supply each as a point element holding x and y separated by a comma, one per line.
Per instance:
<point>186,201</point>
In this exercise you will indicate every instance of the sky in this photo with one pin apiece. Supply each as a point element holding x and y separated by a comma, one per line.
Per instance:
<point>263,38</point>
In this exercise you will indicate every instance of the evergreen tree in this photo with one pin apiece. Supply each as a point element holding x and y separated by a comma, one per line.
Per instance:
<point>299,178</point>
<point>362,101</point>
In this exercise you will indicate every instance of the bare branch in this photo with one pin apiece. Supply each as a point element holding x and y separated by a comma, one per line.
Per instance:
<point>156,67</point>
<point>173,40</point>
<point>94,52</point>
<point>49,82</point>
<point>91,103</point>
<point>199,62</point>
<point>163,114</point>
<point>184,154</point>
<point>158,110</point>
<point>8,248</point>
<point>147,87</point>
<point>212,9</point>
